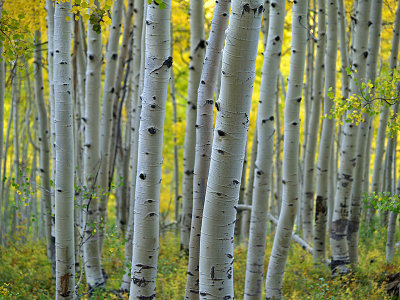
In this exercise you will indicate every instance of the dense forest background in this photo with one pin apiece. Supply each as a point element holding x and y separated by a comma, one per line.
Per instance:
<point>309,223</point>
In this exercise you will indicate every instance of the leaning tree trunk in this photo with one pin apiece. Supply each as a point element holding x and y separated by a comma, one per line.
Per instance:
<point>43,141</point>
<point>313,126</point>
<point>325,153</point>
<point>290,191</point>
<point>147,203</point>
<point>230,135</point>
<point>204,133</point>
<point>91,156</point>
<point>348,147</point>
<point>197,49</point>
<point>362,139</point>
<point>265,153</point>
<point>64,180</point>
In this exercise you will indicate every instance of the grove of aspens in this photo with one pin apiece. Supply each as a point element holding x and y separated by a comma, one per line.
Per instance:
<point>199,149</point>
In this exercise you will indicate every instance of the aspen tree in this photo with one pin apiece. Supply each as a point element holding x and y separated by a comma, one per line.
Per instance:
<point>106,112</point>
<point>64,180</point>
<point>138,61</point>
<point>2,91</point>
<point>348,147</point>
<point>325,153</point>
<point>390,241</point>
<point>290,190</point>
<point>230,135</point>
<point>147,192</point>
<point>43,140</point>
<point>265,151</point>
<point>313,126</point>
<point>376,185</point>
<point>197,49</point>
<point>362,138</point>
<point>204,134</point>
<point>91,155</point>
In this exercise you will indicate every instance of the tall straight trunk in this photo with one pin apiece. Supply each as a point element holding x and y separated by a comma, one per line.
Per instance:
<point>325,153</point>
<point>313,126</point>
<point>147,203</point>
<point>376,185</point>
<point>290,176</point>
<point>50,58</point>
<point>197,49</point>
<point>204,134</point>
<point>64,180</point>
<point>348,147</point>
<point>265,152</point>
<point>106,112</point>
<point>230,136</point>
<point>362,139</point>
<point>138,60</point>
<point>390,241</point>
<point>344,55</point>
<point>91,156</point>
<point>43,141</point>
<point>245,219</point>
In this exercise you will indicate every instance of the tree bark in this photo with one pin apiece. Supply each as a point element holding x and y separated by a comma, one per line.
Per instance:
<point>146,226</point>
<point>230,135</point>
<point>290,176</point>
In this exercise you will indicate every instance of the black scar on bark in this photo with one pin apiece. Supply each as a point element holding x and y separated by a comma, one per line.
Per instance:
<point>338,226</point>
<point>201,44</point>
<point>142,176</point>
<point>220,132</point>
<point>320,207</point>
<point>352,227</point>
<point>168,62</point>
<point>152,130</point>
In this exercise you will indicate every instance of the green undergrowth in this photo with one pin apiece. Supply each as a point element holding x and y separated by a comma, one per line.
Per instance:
<point>26,274</point>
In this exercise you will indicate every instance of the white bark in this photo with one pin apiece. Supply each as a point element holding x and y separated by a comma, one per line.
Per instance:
<point>265,153</point>
<point>43,141</point>
<point>290,176</point>
<point>197,49</point>
<point>64,180</point>
<point>106,112</point>
<point>138,45</point>
<point>230,135</point>
<point>91,156</point>
<point>204,134</point>
<point>348,147</point>
<point>313,127</point>
<point>146,226</point>
<point>362,139</point>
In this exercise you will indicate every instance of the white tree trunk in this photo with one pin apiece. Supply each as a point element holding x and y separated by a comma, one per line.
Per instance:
<point>313,127</point>
<point>91,156</point>
<point>348,147</point>
<point>204,134</point>
<point>265,153</point>
<point>146,226</point>
<point>138,43</point>
<point>197,49</point>
<point>230,135</point>
<point>106,112</point>
<point>43,141</point>
<point>290,176</point>
<point>2,91</point>
<point>64,181</point>
<point>362,139</point>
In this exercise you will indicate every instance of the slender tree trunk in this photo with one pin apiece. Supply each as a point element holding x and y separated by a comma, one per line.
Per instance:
<point>64,181</point>
<point>280,248</point>
<point>43,142</point>
<point>376,185</point>
<point>204,134</point>
<point>230,135</point>
<point>197,49</point>
<point>138,60</point>
<point>313,126</point>
<point>91,156</point>
<point>362,139</point>
<point>106,112</point>
<point>265,152</point>
<point>348,148</point>
<point>391,231</point>
<point>2,91</point>
<point>146,226</point>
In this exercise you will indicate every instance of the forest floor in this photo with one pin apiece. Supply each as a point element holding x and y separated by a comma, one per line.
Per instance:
<point>25,272</point>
